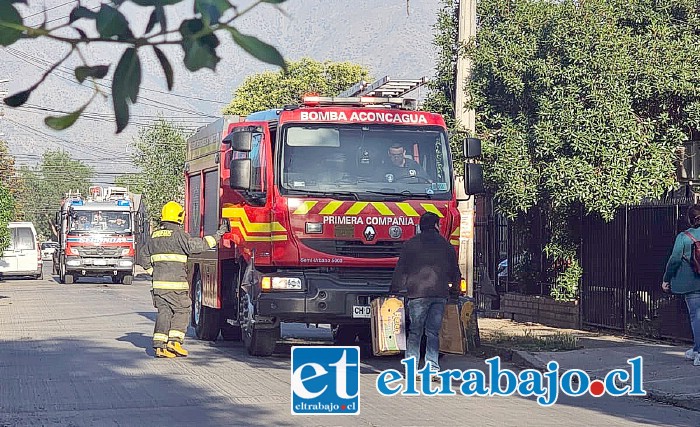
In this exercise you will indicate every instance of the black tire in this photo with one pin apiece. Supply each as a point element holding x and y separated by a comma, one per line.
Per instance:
<point>68,279</point>
<point>346,335</point>
<point>258,341</point>
<point>261,342</point>
<point>231,333</point>
<point>204,319</point>
<point>115,279</point>
<point>128,279</point>
<point>39,276</point>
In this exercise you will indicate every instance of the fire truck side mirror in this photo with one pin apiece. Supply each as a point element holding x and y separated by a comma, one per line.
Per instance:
<point>473,179</point>
<point>240,177</point>
<point>240,139</point>
<point>472,148</point>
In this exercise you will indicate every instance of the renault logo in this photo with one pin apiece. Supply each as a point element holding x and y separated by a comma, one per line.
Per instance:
<point>369,233</point>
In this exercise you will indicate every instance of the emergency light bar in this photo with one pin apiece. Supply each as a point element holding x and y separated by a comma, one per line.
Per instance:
<point>362,101</point>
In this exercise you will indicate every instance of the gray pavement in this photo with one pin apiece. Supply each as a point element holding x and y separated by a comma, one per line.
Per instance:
<point>80,355</point>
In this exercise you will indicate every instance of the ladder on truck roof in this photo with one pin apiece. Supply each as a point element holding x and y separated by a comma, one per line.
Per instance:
<point>384,88</point>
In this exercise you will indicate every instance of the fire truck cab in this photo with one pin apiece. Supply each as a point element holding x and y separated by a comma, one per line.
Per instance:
<point>320,198</point>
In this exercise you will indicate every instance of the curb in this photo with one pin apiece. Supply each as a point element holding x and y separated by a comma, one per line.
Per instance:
<point>529,360</point>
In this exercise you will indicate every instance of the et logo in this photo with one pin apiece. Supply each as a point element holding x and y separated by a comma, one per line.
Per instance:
<point>325,380</point>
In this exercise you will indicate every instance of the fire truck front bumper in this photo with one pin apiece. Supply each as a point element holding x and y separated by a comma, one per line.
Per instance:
<point>321,299</point>
<point>100,264</point>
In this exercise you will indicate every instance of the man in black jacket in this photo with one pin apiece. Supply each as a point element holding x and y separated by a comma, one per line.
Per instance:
<point>426,268</point>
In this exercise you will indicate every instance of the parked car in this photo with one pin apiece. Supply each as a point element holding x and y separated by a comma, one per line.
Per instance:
<point>23,256</point>
<point>47,249</point>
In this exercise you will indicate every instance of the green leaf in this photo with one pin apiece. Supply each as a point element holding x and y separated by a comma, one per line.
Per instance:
<point>258,48</point>
<point>112,24</point>
<point>162,20</point>
<point>97,71</point>
<point>200,51</point>
<point>167,69</point>
<point>125,86</point>
<point>152,21</point>
<point>63,122</point>
<point>81,12</point>
<point>211,10</point>
<point>18,99</point>
<point>9,19</point>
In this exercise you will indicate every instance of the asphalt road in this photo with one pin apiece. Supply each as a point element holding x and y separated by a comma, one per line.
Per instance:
<point>79,355</point>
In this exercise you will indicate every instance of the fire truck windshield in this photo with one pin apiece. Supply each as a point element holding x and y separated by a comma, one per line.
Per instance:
<point>366,159</point>
<point>85,221</point>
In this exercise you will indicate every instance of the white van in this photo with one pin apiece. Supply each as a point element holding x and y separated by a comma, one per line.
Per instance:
<point>23,256</point>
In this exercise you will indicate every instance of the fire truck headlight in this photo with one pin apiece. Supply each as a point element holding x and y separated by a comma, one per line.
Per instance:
<point>125,263</point>
<point>286,283</point>
<point>314,228</point>
<point>73,262</point>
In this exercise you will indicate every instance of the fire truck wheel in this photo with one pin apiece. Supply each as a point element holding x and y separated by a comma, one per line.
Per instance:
<point>258,342</point>
<point>204,319</point>
<point>231,333</point>
<point>115,279</point>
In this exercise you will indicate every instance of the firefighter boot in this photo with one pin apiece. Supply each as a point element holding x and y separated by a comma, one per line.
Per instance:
<point>162,352</point>
<point>176,347</point>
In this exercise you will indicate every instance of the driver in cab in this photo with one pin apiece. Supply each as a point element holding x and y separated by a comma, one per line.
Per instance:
<point>402,167</point>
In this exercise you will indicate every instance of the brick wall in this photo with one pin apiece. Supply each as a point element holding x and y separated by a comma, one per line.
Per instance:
<point>530,308</point>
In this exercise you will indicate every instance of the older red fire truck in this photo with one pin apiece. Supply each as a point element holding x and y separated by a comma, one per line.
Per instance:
<point>320,198</point>
<point>96,235</point>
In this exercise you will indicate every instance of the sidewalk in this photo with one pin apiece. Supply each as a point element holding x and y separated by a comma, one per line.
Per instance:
<point>668,377</point>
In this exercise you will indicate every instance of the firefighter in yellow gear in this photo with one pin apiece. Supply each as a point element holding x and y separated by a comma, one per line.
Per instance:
<point>165,258</point>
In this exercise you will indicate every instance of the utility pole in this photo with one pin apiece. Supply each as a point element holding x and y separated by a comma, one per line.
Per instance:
<point>466,29</point>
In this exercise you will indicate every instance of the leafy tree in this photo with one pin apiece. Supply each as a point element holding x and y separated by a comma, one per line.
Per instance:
<point>159,151</point>
<point>8,177</point>
<point>133,181</point>
<point>197,35</point>
<point>581,107</point>
<point>441,98</point>
<point>43,187</point>
<point>275,89</point>
<point>6,215</point>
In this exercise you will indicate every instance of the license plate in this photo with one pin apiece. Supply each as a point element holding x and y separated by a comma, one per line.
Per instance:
<point>361,311</point>
<point>100,262</point>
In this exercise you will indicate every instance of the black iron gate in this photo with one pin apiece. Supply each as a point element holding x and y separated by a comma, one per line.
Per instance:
<point>623,265</point>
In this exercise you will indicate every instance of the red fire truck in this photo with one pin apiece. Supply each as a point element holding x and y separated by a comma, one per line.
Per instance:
<point>320,198</point>
<point>96,236</point>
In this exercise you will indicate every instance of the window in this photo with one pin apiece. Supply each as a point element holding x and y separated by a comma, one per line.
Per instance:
<point>24,239</point>
<point>211,202</point>
<point>194,217</point>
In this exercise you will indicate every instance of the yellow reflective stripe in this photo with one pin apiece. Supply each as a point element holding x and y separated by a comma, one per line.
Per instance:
<point>176,334</point>
<point>162,284</point>
<point>169,257</point>
<point>382,208</point>
<point>330,208</point>
<point>454,242</point>
<point>456,232</point>
<point>160,337</point>
<point>210,241</point>
<point>407,209</point>
<point>249,238</point>
<point>305,207</point>
<point>356,208</point>
<point>431,208</point>
<point>253,227</point>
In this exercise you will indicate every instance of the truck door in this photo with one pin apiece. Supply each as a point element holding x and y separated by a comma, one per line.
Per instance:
<point>249,173</point>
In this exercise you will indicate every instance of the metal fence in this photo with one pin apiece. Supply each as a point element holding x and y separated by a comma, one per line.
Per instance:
<point>623,265</point>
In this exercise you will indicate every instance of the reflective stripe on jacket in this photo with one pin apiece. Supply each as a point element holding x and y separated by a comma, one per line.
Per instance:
<point>167,252</point>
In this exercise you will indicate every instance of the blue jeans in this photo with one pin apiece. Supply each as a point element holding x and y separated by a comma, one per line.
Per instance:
<point>693,302</point>
<point>425,315</point>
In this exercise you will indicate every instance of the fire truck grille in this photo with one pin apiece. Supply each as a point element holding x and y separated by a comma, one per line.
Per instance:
<point>99,251</point>
<point>379,275</point>
<point>355,248</point>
